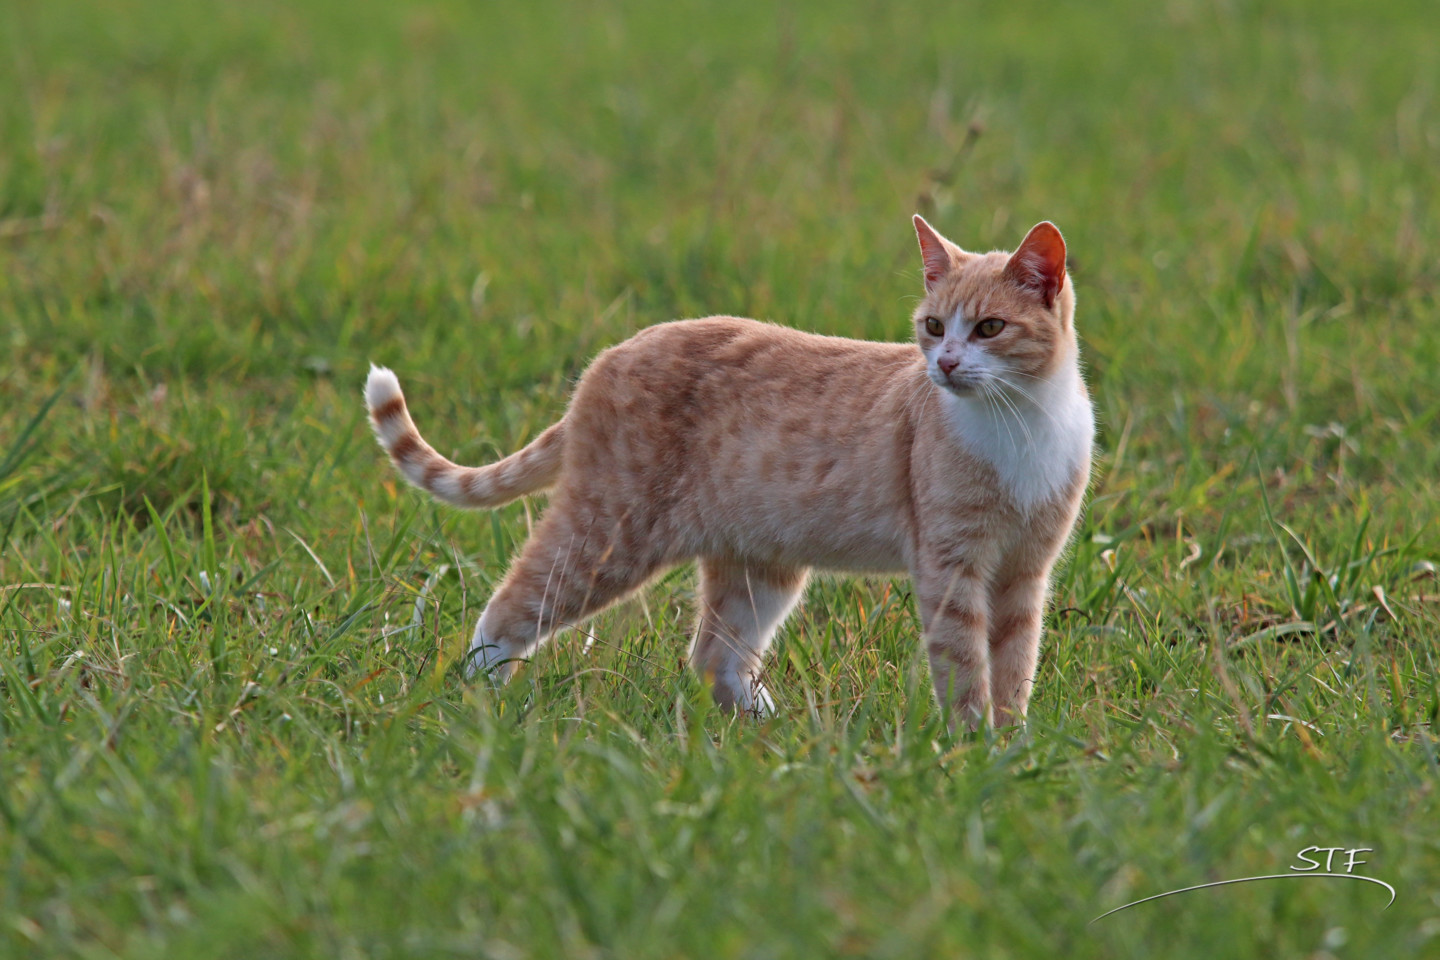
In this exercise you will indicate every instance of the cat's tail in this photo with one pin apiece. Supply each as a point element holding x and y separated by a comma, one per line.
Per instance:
<point>532,468</point>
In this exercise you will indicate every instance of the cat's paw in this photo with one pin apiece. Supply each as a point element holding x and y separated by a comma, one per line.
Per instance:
<point>743,694</point>
<point>759,704</point>
<point>747,696</point>
<point>495,661</point>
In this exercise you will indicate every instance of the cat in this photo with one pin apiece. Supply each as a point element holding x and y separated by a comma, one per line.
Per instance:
<point>761,452</point>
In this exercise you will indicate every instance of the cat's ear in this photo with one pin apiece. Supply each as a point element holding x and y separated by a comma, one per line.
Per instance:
<point>1039,262</point>
<point>938,253</point>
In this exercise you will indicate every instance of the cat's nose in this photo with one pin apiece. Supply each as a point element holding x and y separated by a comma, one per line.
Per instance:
<point>947,364</point>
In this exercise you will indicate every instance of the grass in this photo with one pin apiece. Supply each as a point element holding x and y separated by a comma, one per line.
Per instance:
<point>230,719</point>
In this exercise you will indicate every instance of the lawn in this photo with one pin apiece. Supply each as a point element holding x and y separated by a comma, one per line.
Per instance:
<point>232,722</point>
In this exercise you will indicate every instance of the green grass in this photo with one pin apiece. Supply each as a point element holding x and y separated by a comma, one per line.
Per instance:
<point>230,719</point>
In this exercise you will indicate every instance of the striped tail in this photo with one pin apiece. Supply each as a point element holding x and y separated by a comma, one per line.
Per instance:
<point>533,468</point>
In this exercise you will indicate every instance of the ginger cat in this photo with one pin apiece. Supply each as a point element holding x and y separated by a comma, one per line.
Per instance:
<point>761,452</point>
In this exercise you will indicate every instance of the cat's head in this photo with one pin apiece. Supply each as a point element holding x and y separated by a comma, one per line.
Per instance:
<point>998,319</point>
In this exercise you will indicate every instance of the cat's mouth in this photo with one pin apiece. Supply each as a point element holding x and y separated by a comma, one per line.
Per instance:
<point>959,384</point>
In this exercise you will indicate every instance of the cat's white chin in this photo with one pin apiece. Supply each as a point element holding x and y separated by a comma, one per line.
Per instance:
<point>964,388</point>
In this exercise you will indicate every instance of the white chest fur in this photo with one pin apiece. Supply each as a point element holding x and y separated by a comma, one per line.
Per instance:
<point>1036,441</point>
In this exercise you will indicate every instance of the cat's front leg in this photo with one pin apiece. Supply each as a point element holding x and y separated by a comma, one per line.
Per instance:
<point>1017,608</point>
<point>953,611</point>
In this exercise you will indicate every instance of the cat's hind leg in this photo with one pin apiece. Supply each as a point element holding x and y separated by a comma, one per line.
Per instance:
<point>564,574</point>
<point>741,606</point>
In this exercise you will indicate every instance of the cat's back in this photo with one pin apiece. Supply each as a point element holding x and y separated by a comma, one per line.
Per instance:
<point>715,356</point>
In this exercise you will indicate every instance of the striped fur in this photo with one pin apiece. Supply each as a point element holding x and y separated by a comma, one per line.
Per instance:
<point>763,452</point>
<point>533,468</point>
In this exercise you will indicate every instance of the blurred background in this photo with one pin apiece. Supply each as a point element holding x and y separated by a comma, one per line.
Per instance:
<point>246,202</point>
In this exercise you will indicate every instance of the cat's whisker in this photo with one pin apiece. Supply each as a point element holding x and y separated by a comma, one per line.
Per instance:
<point>1001,378</point>
<point>1019,417</point>
<point>910,398</point>
<point>918,393</point>
<point>989,393</point>
<point>922,393</point>
<point>1035,401</point>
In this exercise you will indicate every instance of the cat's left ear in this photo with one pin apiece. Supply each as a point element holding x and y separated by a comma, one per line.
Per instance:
<point>938,253</point>
<point>1039,262</point>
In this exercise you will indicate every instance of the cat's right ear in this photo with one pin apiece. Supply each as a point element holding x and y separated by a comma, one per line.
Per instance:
<point>937,252</point>
<point>1039,262</point>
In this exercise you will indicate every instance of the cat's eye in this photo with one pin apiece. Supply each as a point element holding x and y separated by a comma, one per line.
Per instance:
<point>986,329</point>
<point>934,327</point>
